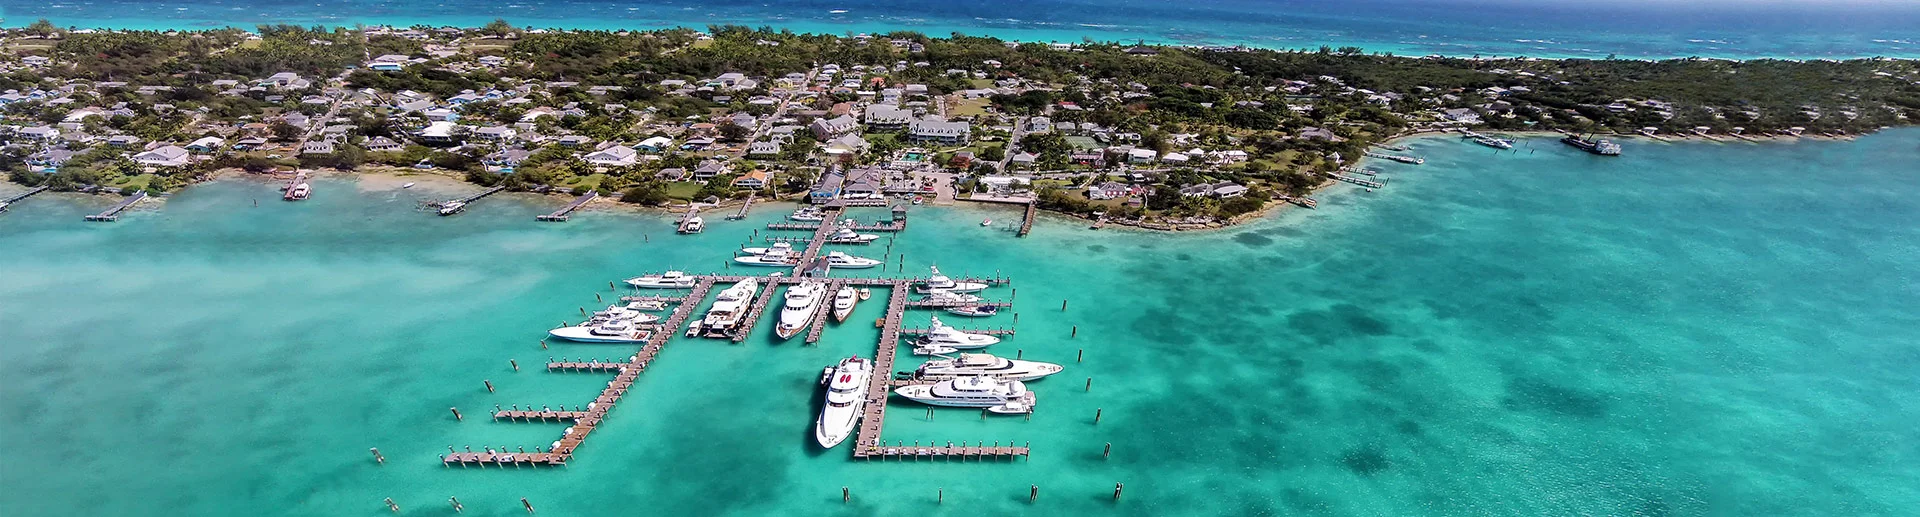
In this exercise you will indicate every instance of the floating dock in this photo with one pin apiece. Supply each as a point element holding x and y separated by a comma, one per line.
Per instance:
<point>112,213</point>
<point>564,213</point>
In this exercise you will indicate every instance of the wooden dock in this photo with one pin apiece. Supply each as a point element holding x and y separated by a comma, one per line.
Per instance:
<point>292,190</point>
<point>588,416</point>
<point>1357,181</point>
<point>1026,224</point>
<point>987,332</point>
<point>564,213</point>
<point>822,312</point>
<point>15,199</point>
<point>462,203</point>
<point>759,307</point>
<point>112,213</point>
<point>742,214</point>
<point>686,226</point>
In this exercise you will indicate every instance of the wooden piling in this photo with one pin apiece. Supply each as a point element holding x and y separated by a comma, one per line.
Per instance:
<point>516,364</point>
<point>1076,332</point>
<point>392,506</point>
<point>523,502</point>
<point>943,494</point>
<point>1116,490</point>
<point>845,495</point>
<point>1063,305</point>
<point>1019,353</point>
<point>455,501</point>
<point>1096,414</point>
<point>456,413</point>
<point>1108,452</point>
<point>1033,493</point>
<point>489,385</point>
<point>1089,384</point>
<point>377,457</point>
<point>1081,356</point>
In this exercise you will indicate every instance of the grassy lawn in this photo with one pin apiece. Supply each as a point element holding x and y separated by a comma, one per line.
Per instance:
<point>683,189</point>
<point>981,83</point>
<point>971,107</point>
<point>1082,143</point>
<point>131,183</point>
<point>590,181</point>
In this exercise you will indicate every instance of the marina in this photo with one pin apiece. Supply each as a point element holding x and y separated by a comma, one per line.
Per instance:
<point>808,301</point>
<point>564,213</point>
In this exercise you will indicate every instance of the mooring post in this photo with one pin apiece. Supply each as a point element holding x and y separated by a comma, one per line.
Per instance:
<point>377,457</point>
<point>1033,493</point>
<point>543,344</point>
<point>845,495</point>
<point>1108,452</point>
<point>1063,305</point>
<point>523,502</point>
<point>1081,356</point>
<point>1089,384</point>
<point>489,384</point>
<point>1116,490</point>
<point>516,364</point>
<point>1020,353</point>
<point>943,496</point>
<point>392,506</point>
<point>456,413</point>
<point>455,501</point>
<point>1076,332</point>
<point>1096,414</point>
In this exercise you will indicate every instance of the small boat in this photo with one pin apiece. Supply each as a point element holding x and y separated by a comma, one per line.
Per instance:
<point>847,236</point>
<point>452,207</point>
<point>780,247</point>
<point>648,305</point>
<point>694,225</point>
<point>609,331</point>
<point>917,200</point>
<point>939,295</point>
<point>668,280</point>
<point>988,365</point>
<point>865,293</point>
<point>844,261</point>
<point>942,335</point>
<point>846,397</point>
<point>802,304</point>
<point>843,302</point>
<point>1496,143</point>
<point>408,185</point>
<point>623,312</point>
<point>934,350</point>
<point>299,192</point>
<point>986,222</point>
<point>998,396</point>
<point>978,311</point>
<point>940,282</point>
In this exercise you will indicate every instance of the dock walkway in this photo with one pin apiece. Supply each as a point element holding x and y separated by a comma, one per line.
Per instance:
<point>566,212</point>
<point>1356,180</point>
<point>112,213</point>
<point>15,199</point>
<point>1026,224</point>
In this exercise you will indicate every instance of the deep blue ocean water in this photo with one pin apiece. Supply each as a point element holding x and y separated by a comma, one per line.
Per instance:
<point>1632,28</point>
<point>1689,329</point>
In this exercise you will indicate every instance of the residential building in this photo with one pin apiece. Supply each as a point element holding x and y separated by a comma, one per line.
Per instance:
<point>164,156</point>
<point>708,169</point>
<point>883,117</point>
<point>828,129</point>
<point>940,132</point>
<point>753,179</point>
<point>615,156</point>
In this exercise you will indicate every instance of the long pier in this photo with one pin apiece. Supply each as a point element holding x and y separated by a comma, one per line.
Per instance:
<point>745,327</point>
<point>564,213</point>
<point>1357,181</point>
<point>586,417</point>
<point>1402,159</point>
<point>823,308</point>
<point>112,213</point>
<point>460,205</point>
<point>867,444</point>
<point>292,190</point>
<point>742,214</point>
<point>686,224</point>
<point>1026,224</point>
<point>15,199</point>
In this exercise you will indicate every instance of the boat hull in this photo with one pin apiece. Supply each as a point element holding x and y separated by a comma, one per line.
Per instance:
<point>586,335</point>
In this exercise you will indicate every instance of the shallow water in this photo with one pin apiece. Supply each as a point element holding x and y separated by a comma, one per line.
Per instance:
<point>1688,329</point>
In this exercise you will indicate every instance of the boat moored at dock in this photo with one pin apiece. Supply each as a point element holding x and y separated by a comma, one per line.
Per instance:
<point>996,395</point>
<point>607,331</point>
<point>801,306</point>
<point>1600,147</point>
<point>728,308</point>
<point>940,282</point>
<point>807,214</point>
<point>1496,143</point>
<point>846,400</point>
<point>846,235</point>
<point>843,302</point>
<point>986,365</point>
<point>452,207</point>
<point>667,280</point>
<point>841,260</point>
<point>941,335</point>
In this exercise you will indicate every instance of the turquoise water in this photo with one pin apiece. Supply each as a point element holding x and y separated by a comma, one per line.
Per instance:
<point>1690,329</point>
<point>1798,29</point>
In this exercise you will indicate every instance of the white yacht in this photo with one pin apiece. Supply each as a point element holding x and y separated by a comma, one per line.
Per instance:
<point>624,312</point>
<point>667,280</point>
<point>942,295</point>
<point>841,260</point>
<point>452,207</point>
<point>694,225</point>
<point>605,331</point>
<point>846,397</point>
<point>942,335</point>
<point>843,301</point>
<point>802,303</point>
<point>999,396</point>
<point>778,256</point>
<point>846,235</point>
<point>940,282</point>
<point>780,247</point>
<point>728,308</point>
<point>972,365</point>
<point>974,311</point>
<point>300,192</point>
<point>648,305</point>
<point>807,214</point>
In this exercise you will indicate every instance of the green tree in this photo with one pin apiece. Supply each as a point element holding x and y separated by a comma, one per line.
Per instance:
<point>646,193</point>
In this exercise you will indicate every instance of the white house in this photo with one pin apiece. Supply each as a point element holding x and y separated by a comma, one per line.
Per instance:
<point>206,144</point>
<point>655,144</point>
<point>615,156</point>
<point>1138,155</point>
<point>884,117</point>
<point>949,133</point>
<point>166,156</point>
<point>827,129</point>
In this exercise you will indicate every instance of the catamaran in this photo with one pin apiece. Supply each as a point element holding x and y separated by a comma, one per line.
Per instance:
<point>667,280</point>
<point>846,397</point>
<point>802,304</point>
<point>998,396</point>
<point>971,365</point>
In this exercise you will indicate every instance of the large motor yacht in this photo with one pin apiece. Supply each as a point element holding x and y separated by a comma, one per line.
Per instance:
<point>843,302</point>
<point>728,308</point>
<point>846,235</point>
<point>779,255</point>
<point>802,304</point>
<point>998,396</point>
<point>667,280</point>
<point>940,282</point>
<point>807,214</point>
<point>603,331</point>
<point>941,335</point>
<point>844,261</point>
<point>987,365</point>
<point>846,398</point>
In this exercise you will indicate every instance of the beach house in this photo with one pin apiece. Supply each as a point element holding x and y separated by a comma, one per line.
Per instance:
<point>615,156</point>
<point>164,156</point>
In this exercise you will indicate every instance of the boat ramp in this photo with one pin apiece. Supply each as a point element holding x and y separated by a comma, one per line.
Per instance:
<point>564,213</point>
<point>112,213</point>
